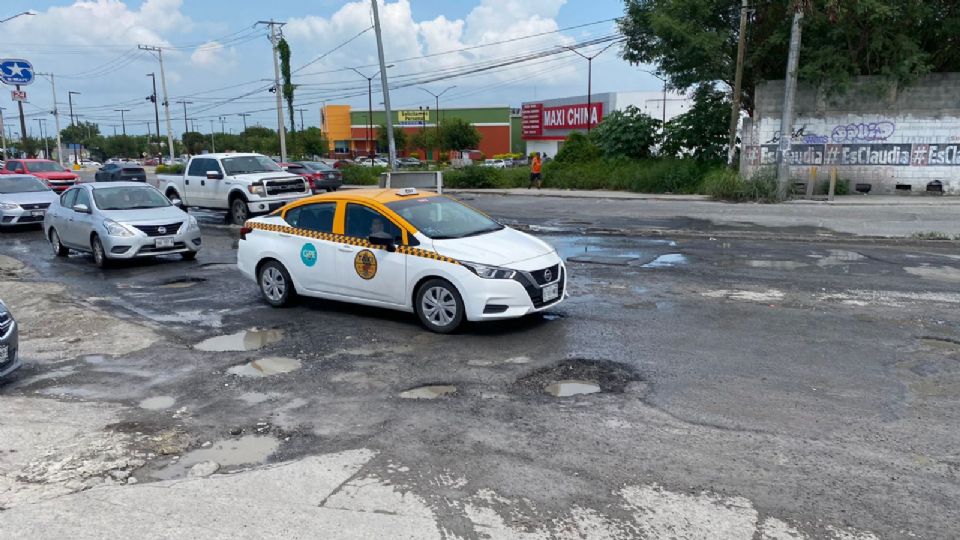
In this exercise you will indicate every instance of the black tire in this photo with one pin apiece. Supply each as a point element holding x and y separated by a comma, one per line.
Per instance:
<point>58,248</point>
<point>439,305</point>
<point>99,254</point>
<point>275,284</point>
<point>239,211</point>
<point>189,255</point>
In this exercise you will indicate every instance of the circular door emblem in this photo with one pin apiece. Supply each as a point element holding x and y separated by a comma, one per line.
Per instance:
<point>308,254</point>
<point>365,263</point>
<point>162,230</point>
<point>547,275</point>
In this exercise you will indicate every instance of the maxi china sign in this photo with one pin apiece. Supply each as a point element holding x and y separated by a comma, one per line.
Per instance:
<point>539,121</point>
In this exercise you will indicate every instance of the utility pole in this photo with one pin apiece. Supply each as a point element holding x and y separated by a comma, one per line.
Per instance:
<point>70,95</point>
<point>163,85</point>
<point>46,147</point>
<point>213,142</point>
<point>244,116</point>
<point>3,137</point>
<point>56,116</point>
<point>23,122</point>
<point>274,41</point>
<point>302,125</point>
<point>156,109</point>
<point>590,79</point>
<point>437,121</point>
<point>185,103</point>
<point>391,144</point>
<point>789,98</point>
<point>738,83</point>
<point>123,121</point>
<point>222,120</point>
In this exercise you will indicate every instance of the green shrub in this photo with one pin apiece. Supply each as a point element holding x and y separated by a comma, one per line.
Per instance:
<point>358,175</point>
<point>486,177</point>
<point>577,149</point>
<point>842,188</point>
<point>176,168</point>
<point>726,185</point>
<point>723,184</point>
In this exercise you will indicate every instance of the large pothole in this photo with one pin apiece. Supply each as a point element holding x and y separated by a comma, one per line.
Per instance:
<point>577,376</point>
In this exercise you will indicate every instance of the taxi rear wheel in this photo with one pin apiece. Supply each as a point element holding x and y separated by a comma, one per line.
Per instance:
<point>439,306</point>
<point>275,284</point>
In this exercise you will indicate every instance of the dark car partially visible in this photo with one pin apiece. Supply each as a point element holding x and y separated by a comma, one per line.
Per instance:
<point>121,172</point>
<point>322,177</point>
<point>9,361</point>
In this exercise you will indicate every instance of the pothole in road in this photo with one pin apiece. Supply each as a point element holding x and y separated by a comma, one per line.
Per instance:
<point>552,315</point>
<point>157,403</point>
<point>571,388</point>
<point>578,376</point>
<point>667,261</point>
<point>228,454</point>
<point>265,367</point>
<point>940,343</point>
<point>432,391</point>
<point>182,283</point>
<point>776,265</point>
<point>247,340</point>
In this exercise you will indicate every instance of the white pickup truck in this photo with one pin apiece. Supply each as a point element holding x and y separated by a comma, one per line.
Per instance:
<point>242,184</point>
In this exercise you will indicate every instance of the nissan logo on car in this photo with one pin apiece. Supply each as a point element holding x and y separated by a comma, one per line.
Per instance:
<point>162,230</point>
<point>547,275</point>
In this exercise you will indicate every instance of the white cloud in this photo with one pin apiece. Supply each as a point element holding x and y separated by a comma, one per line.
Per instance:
<point>213,53</point>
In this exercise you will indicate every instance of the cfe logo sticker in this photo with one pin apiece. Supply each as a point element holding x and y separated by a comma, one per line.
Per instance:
<point>308,254</point>
<point>365,263</point>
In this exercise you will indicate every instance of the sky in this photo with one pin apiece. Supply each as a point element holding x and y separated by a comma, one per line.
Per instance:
<point>219,61</point>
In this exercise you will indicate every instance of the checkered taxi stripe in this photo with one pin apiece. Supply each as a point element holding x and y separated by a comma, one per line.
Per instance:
<point>361,242</point>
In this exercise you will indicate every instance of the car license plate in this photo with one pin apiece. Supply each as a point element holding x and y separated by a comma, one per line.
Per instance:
<point>4,354</point>
<point>37,213</point>
<point>551,292</point>
<point>166,242</point>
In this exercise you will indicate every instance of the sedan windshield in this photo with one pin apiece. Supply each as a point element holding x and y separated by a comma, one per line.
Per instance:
<point>129,198</point>
<point>443,218</point>
<point>45,166</point>
<point>21,184</point>
<point>249,164</point>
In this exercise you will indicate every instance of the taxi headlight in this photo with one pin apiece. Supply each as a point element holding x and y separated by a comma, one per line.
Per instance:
<point>116,229</point>
<point>489,272</point>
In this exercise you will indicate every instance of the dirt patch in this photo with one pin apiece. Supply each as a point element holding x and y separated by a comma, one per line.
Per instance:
<point>609,376</point>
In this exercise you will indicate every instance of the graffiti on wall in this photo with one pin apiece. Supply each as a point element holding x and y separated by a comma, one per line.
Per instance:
<point>863,132</point>
<point>896,155</point>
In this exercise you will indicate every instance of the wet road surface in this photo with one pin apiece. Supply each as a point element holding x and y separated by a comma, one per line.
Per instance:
<point>819,381</point>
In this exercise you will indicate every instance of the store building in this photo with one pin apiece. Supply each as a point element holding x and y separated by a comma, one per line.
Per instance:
<point>353,132</point>
<point>546,124</point>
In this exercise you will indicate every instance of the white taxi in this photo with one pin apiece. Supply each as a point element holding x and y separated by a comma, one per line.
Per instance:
<point>401,249</point>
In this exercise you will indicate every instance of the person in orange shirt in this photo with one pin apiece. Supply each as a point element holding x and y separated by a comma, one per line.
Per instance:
<point>536,167</point>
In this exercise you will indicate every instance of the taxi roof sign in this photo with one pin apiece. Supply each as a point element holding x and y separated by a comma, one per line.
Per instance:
<point>406,192</point>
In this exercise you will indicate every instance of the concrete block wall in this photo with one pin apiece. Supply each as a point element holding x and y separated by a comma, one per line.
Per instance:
<point>897,139</point>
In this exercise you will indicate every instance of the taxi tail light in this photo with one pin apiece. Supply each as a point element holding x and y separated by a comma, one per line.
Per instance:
<point>244,231</point>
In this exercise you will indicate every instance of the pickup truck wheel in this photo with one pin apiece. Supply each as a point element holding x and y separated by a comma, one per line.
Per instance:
<point>275,284</point>
<point>239,212</point>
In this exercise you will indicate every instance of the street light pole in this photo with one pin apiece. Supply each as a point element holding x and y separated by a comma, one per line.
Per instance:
<point>56,115</point>
<point>156,108</point>
<point>590,79</point>
<point>10,18</point>
<point>437,121</point>
<point>391,143</point>
<point>166,102</point>
<point>369,102</point>
<point>275,41</point>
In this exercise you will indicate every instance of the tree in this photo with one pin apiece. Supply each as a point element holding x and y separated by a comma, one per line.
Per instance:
<point>424,139</point>
<point>627,133</point>
<point>313,141</point>
<point>283,48</point>
<point>703,130</point>
<point>458,134</point>
<point>399,137</point>
<point>694,42</point>
<point>195,142</point>
<point>578,148</point>
<point>80,133</point>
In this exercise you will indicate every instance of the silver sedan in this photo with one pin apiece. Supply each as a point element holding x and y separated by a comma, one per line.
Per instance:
<point>120,220</point>
<point>23,199</point>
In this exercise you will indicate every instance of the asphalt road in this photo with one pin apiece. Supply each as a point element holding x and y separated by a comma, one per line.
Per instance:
<point>815,384</point>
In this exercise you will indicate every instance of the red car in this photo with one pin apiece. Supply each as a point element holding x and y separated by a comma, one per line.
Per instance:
<point>55,176</point>
<point>320,176</point>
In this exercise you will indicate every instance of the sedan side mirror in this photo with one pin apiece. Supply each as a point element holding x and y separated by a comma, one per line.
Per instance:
<point>81,208</point>
<point>177,202</point>
<point>383,239</point>
<point>214,175</point>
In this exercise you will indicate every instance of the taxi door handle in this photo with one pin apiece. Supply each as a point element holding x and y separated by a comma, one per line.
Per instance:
<point>346,249</point>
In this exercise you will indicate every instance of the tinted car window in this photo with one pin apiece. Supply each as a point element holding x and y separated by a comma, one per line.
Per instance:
<point>199,167</point>
<point>13,165</point>
<point>363,221</point>
<point>69,198</point>
<point>83,197</point>
<point>314,217</point>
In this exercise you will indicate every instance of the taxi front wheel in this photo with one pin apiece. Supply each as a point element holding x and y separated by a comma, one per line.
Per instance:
<point>275,284</point>
<point>439,306</point>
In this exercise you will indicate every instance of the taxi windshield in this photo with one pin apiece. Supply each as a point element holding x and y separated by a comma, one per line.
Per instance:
<point>443,218</point>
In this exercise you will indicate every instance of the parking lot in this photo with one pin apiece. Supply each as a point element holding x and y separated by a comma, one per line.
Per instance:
<point>738,387</point>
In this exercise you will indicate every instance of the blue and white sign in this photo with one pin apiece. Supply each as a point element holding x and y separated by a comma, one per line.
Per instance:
<point>15,71</point>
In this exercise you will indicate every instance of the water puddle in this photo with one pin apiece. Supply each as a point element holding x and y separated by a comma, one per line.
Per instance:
<point>229,453</point>
<point>839,257</point>
<point>247,340</point>
<point>571,388</point>
<point>429,392</point>
<point>182,283</point>
<point>608,251</point>
<point>939,273</point>
<point>498,362</point>
<point>776,265</point>
<point>95,359</point>
<point>667,261</point>
<point>157,403</point>
<point>255,398</point>
<point>265,367</point>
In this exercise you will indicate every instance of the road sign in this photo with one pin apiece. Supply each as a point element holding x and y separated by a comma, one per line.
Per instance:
<point>18,95</point>
<point>15,71</point>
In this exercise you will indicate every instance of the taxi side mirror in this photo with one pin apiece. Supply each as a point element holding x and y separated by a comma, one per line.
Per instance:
<point>383,239</point>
